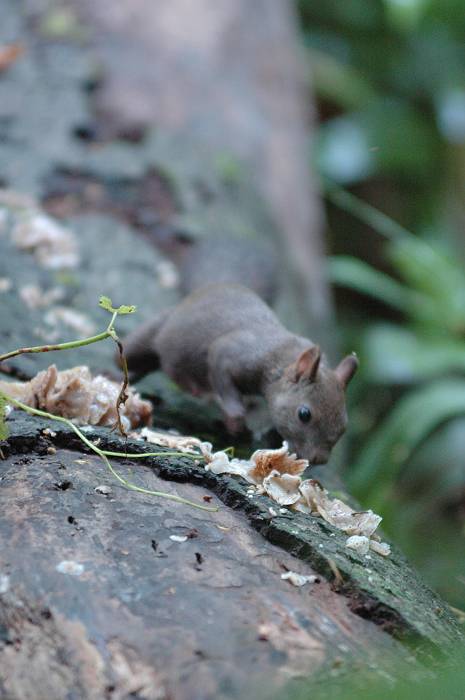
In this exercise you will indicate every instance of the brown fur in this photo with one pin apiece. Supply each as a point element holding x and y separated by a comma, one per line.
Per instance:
<point>224,340</point>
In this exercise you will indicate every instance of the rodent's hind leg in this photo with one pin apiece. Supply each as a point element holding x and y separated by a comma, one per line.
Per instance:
<point>224,389</point>
<point>140,347</point>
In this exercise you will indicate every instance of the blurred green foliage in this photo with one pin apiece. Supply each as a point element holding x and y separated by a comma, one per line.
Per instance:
<point>437,680</point>
<point>389,76</point>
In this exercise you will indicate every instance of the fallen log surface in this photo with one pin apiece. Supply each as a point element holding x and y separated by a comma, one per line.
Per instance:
<point>96,596</point>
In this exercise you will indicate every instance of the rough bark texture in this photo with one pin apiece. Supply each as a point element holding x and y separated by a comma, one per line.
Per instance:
<point>206,618</point>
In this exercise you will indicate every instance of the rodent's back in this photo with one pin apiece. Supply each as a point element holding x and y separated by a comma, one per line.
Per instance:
<point>212,311</point>
<point>220,259</point>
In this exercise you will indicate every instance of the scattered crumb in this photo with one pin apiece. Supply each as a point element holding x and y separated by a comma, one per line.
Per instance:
<point>49,432</point>
<point>168,275</point>
<point>103,490</point>
<point>298,579</point>
<point>382,548</point>
<point>5,284</point>
<point>359,543</point>
<point>51,450</point>
<point>4,583</point>
<point>72,568</point>
<point>178,538</point>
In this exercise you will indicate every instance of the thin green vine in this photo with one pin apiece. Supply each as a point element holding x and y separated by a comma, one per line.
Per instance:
<point>110,332</point>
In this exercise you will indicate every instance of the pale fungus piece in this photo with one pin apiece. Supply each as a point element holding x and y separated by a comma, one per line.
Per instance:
<point>282,488</point>
<point>298,579</point>
<point>71,568</point>
<point>266,461</point>
<point>178,538</point>
<point>220,463</point>
<point>338,513</point>
<point>76,395</point>
<point>359,543</point>
<point>75,320</point>
<point>53,246</point>
<point>180,443</point>
<point>382,548</point>
<point>36,298</point>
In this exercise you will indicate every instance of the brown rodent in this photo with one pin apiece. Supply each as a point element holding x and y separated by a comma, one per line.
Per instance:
<point>224,340</point>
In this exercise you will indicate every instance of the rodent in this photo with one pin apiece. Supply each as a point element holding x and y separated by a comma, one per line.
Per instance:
<point>224,340</point>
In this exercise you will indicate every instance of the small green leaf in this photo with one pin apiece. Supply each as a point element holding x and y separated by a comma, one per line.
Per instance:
<point>122,310</point>
<point>107,304</point>
<point>4,432</point>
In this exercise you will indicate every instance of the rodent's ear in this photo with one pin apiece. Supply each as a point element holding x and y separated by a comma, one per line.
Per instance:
<point>346,369</point>
<point>306,365</point>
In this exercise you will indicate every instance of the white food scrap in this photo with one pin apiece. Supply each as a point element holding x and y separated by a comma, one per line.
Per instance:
<point>298,579</point>
<point>72,568</point>
<point>178,538</point>
<point>75,394</point>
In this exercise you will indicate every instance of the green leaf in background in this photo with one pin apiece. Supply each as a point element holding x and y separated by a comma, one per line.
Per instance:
<point>358,275</point>
<point>338,82</point>
<point>395,355</point>
<point>411,420</point>
<point>426,268</point>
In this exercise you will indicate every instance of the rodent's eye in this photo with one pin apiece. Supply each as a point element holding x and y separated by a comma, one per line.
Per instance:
<point>304,414</point>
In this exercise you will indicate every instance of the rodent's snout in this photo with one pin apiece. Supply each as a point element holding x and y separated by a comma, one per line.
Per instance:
<point>315,456</point>
<point>320,456</point>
